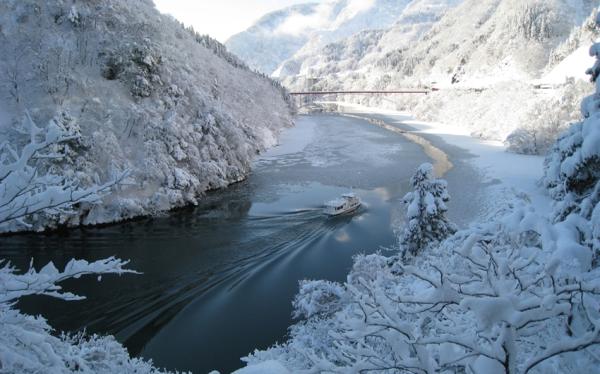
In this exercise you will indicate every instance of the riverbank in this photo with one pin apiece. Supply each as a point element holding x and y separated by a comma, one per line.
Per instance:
<point>208,272</point>
<point>506,185</point>
<point>503,175</point>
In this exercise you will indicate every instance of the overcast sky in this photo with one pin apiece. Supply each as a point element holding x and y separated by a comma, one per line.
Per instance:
<point>222,18</point>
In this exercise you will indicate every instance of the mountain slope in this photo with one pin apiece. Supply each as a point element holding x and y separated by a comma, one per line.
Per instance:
<point>262,47</point>
<point>143,93</point>
<point>450,42</point>
<point>368,53</point>
<point>504,39</point>
<point>281,34</point>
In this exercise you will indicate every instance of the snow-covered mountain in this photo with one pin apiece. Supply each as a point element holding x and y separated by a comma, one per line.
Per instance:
<point>486,55</point>
<point>481,39</point>
<point>364,53</point>
<point>279,35</point>
<point>141,93</point>
<point>447,41</point>
<point>265,44</point>
<point>571,58</point>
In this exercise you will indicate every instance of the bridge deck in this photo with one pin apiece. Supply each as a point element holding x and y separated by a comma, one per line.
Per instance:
<point>363,92</point>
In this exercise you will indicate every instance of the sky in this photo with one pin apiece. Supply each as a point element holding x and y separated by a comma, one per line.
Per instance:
<point>222,18</point>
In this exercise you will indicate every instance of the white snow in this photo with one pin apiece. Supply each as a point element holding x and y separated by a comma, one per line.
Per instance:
<point>502,66</point>
<point>573,66</point>
<point>463,42</point>
<point>425,212</point>
<point>29,345</point>
<point>267,367</point>
<point>516,291</point>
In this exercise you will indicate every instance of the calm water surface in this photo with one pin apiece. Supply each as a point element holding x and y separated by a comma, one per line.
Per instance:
<point>218,280</point>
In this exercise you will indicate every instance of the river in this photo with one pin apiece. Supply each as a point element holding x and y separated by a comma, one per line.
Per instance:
<point>218,279</point>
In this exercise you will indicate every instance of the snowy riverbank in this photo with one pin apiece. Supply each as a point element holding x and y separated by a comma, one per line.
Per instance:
<point>505,178</point>
<point>505,175</point>
<point>510,294</point>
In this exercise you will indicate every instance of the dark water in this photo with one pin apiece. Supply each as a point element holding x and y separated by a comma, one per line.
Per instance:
<point>218,280</point>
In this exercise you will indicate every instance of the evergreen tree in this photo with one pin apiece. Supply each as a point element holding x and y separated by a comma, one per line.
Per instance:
<point>426,212</point>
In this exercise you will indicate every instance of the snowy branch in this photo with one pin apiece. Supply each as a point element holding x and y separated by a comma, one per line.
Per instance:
<point>25,191</point>
<point>565,346</point>
<point>44,282</point>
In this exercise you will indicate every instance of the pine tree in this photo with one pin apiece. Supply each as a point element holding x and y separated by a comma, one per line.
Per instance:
<point>426,212</point>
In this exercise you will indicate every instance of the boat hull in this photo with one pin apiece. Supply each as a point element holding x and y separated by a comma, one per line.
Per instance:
<point>345,211</point>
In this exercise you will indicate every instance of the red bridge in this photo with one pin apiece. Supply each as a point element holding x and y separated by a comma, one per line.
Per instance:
<point>364,92</point>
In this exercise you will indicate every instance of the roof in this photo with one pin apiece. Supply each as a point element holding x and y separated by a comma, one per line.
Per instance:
<point>336,202</point>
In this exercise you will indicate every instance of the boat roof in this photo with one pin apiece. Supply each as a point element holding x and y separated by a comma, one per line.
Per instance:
<point>336,202</point>
<point>341,200</point>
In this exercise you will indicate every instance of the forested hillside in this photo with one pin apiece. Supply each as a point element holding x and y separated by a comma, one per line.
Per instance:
<point>162,112</point>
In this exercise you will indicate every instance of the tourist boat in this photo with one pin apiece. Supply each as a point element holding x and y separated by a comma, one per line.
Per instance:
<point>345,204</point>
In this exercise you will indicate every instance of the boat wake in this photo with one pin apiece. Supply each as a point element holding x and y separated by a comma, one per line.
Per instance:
<point>276,238</point>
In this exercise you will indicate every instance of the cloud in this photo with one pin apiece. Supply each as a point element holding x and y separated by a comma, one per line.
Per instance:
<point>353,8</point>
<point>298,23</point>
<point>324,17</point>
<point>222,18</point>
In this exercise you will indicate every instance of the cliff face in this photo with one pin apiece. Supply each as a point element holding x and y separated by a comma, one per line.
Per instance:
<point>143,93</point>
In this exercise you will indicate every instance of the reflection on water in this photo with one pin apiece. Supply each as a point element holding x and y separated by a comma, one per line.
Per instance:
<point>218,279</point>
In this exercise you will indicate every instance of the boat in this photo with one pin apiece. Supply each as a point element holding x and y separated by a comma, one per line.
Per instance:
<point>345,204</point>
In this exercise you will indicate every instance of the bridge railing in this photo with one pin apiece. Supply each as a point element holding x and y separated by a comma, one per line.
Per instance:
<point>365,92</point>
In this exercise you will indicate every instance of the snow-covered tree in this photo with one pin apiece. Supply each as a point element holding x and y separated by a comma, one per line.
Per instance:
<point>28,191</point>
<point>572,168</point>
<point>29,188</point>
<point>547,120</point>
<point>426,212</point>
<point>29,345</point>
<point>518,294</point>
<point>515,295</point>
